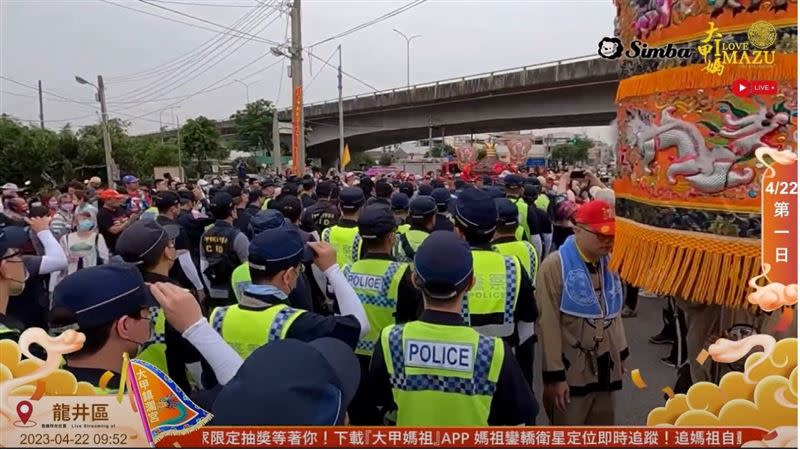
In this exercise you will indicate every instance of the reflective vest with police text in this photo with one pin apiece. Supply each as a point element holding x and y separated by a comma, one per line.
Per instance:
<point>376,282</point>
<point>406,244</point>
<point>441,375</point>
<point>489,305</point>
<point>523,250</point>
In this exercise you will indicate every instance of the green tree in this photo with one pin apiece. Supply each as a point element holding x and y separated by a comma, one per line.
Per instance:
<point>357,159</point>
<point>439,150</point>
<point>577,149</point>
<point>386,159</point>
<point>26,153</point>
<point>254,126</point>
<point>200,140</point>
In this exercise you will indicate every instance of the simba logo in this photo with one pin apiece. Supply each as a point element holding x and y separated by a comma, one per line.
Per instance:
<point>612,48</point>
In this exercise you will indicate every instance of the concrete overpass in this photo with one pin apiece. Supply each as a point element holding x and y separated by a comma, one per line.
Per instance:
<point>573,92</point>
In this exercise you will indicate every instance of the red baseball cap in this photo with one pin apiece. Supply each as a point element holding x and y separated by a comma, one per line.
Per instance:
<point>109,194</point>
<point>597,215</point>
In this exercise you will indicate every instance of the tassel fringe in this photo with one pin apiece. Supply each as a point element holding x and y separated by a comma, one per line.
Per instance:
<point>698,267</point>
<point>694,77</point>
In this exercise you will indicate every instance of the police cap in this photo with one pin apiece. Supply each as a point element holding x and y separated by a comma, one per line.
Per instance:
<point>441,196</point>
<point>351,198</point>
<point>425,189</point>
<point>443,265</point>
<point>400,201</point>
<point>476,211</point>
<point>277,249</point>
<point>507,212</point>
<point>421,207</point>
<point>375,222</point>
<point>513,180</point>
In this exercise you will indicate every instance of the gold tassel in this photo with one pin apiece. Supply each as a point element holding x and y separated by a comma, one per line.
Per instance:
<point>694,77</point>
<point>700,267</point>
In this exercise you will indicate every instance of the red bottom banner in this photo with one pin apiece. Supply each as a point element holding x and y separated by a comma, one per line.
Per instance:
<point>497,437</point>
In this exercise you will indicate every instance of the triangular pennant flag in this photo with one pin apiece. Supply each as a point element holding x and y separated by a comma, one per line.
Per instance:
<point>163,407</point>
<point>345,156</point>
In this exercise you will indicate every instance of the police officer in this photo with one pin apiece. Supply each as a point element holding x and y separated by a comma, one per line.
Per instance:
<point>344,236</point>
<point>385,289</point>
<point>192,222</point>
<point>222,248</point>
<point>527,217</point>
<point>507,238</point>
<point>415,365</point>
<point>267,191</point>
<point>324,213</point>
<point>442,197</point>
<point>501,303</point>
<point>421,217</point>
<point>262,315</point>
<point>110,304</point>
<point>184,273</point>
<point>400,204</point>
<point>153,249</point>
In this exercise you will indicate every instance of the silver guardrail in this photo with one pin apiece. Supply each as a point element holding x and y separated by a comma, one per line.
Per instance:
<point>454,80</point>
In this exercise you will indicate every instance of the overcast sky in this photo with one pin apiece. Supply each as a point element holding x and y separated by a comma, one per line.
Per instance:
<point>53,41</point>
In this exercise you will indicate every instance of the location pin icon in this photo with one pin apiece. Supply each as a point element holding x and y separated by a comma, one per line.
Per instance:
<point>24,411</point>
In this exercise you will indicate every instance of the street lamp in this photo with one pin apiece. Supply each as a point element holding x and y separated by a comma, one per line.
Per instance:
<point>246,88</point>
<point>408,54</point>
<point>101,97</point>
<point>160,124</point>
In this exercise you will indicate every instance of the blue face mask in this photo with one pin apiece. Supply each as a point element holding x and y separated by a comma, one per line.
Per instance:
<point>85,225</point>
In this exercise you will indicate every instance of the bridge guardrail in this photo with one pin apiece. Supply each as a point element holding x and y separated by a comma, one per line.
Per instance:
<point>457,79</point>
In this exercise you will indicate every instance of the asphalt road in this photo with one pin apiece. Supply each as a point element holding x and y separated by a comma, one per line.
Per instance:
<point>633,404</point>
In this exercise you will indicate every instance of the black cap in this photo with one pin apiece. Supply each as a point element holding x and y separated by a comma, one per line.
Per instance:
<point>425,189</point>
<point>443,264</point>
<point>422,207</point>
<point>101,294</point>
<point>459,184</point>
<point>476,211</point>
<point>276,249</point>
<point>351,198</point>
<point>186,195</point>
<point>144,241</point>
<point>383,189</point>
<point>531,191</point>
<point>289,205</point>
<point>507,212</point>
<point>513,181</point>
<point>290,382</point>
<point>289,189</point>
<point>375,222</point>
<point>221,205</point>
<point>165,199</point>
<point>308,184</point>
<point>266,219</point>
<point>406,188</point>
<point>487,180</point>
<point>533,181</point>
<point>234,190</point>
<point>324,189</point>
<point>267,182</point>
<point>441,196</point>
<point>12,237</point>
<point>400,201</point>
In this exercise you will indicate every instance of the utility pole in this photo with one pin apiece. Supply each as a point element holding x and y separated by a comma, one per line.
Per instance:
<point>298,121</point>
<point>41,106</point>
<point>180,158</point>
<point>276,141</point>
<point>341,115</point>
<point>101,93</point>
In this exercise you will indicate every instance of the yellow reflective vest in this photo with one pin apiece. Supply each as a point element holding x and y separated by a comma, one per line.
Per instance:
<point>441,375</point>
<point>247,329</point>
<point>346,241</point>
<point>489,306</point>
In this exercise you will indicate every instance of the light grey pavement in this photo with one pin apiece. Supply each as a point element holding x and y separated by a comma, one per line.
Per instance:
<point>633,404</point>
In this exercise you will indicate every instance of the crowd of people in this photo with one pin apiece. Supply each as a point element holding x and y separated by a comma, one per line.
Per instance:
<point>327,299</point>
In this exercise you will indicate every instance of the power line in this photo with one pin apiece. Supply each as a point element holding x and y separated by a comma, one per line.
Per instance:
<point>191,70</point>
<point>345,73</point>
<point>256,38</point>
<point>320,70</point>
<point>209,87</point>
<point>225,5</point>
<point>67,99</point>
<point>147,2</point>
<point>283,64</point>
<point>369,23</point>
<point>157,70</point>
<point>69,119</point>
